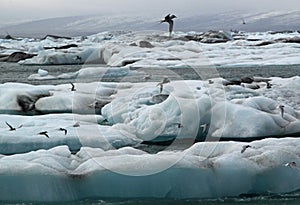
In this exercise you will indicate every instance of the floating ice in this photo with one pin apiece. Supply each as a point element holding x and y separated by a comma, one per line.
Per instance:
<point>202,171</point>
<point>121,48</point>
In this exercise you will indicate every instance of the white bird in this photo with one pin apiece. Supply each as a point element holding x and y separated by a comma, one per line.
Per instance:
<point>95,105</point>
<point>291,164</point>
<point>164,81</point>
<point>147,77</point>
<point>169,19</point>
<point>204,127</point>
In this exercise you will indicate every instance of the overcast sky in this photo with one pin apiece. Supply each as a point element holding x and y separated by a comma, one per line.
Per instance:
<point>23,10</point>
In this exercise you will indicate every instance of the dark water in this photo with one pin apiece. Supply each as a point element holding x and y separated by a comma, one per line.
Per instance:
<point>287,199</point>
<point>12,72</point>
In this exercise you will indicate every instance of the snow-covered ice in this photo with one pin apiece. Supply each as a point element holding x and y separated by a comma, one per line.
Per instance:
<point>122,48</point>
<point>96,130</point>
<point>202,171</point>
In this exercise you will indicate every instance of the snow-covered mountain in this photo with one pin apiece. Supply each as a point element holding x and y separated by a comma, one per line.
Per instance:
<point>84,25</point>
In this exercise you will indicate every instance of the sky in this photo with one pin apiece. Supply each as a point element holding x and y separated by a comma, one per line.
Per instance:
<point>14,11</point>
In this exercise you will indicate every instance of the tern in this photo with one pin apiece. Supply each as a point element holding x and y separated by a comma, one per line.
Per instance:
<point>281,107</point>
<point>169,19</point>
<point>11,128</point>
<point>73,87</point>
<point>244,148</point>
<point>64,130</point>
<point>44,133</point>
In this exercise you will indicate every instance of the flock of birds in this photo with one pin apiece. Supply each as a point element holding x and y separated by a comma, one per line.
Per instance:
<point>45,133</point>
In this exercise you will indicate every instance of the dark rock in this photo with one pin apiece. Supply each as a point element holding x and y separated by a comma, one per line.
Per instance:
<point>247,80</point>
<point>27,102</point>
<point>159,98</point>
<point>211,37</point>
<point>265,43</point>
<point>232,82</point>
<point>63,47</point>
<point>146,44</point>
<point>133,44</point>
<point>56,37</point>
<point>290,40</point>
<point>16,57</point>
<point>9,37</point>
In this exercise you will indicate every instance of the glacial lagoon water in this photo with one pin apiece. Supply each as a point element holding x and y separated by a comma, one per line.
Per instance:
<point>11,72</point>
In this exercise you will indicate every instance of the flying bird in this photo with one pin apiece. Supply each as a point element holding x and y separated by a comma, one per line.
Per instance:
<point>244,147</point>
<point>291,164</point>
<point>44,133</point>
<point>204,127</point>
<point>169,19</point>
<point>73,87</point>
<point>281,107</point>
<point>164,81</point>
<point>147,77</point>
<point>11,128</point>
<point>64,130</point>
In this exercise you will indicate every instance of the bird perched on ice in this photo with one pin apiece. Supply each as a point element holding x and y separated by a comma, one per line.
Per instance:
<point>78,59</point>
<point>11,128</point>
<point>281,107</point>
<point>244,147</point>
<point>269,85</point>
<point>73,87</point>
<point>169,19</point>
<point>164,81</point>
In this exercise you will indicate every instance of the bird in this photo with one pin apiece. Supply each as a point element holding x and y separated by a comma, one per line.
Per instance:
<point>164,81</point>
<point>244,22</point>
<point>244,147</point>
<point>179,125</point>
<point>95,105</point>
<point>281,107</point>
<point>169,19</point>
<point>78,59</point>
<point>77,124</point>
<point>73,87</point>
<point>291,164</point>
<point>44,133</point>
<point>161,87</point>
<point>63,129</point>
<point>147,77</point>
<point>210,82</point>
<point>269,85</point>
<point>204,127</point>
<point>11,128</point>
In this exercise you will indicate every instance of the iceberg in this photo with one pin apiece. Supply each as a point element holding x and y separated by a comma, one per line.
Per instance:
<point>201,171</point>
